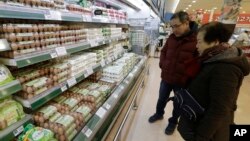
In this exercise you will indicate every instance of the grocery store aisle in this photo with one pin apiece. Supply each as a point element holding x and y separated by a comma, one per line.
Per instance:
<point>141,129</point>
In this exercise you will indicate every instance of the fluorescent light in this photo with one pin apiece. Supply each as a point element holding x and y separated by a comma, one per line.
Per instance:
<point>193,1</point>
<point>215,7</point>
<point>187,8</point>
<point>243,12</point>
<point>175,5</point>
<point>184,10</point>
<point>189,5</point>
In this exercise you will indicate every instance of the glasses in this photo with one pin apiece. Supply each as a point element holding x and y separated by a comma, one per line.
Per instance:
<point>175,26</point>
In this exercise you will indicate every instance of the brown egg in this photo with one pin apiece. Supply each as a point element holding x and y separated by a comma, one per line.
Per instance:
<point>36,36</point>
<point>28,2</point>
<point>62,138</point>
<point>35,28</point>
<point>37,43</point>
<point>40,27</point>
<point>14,46</point>
<point>30,96</point>
<point>9,28</point>
<point>20,1</point>
<point>46,125</point>
<point>19,38</point>
<point>17,29</point>
<point>29,90</point>
<point>10,37</point>
<point>36,118</point>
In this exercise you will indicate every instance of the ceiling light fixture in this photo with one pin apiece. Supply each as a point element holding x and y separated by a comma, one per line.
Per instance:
<point>243,12</point>
<point>187,8</point>
<point>215,8</point>
<point>189,5</point>
<point>193,1</point>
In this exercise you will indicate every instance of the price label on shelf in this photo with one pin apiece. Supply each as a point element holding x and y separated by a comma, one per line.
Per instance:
<point>64,88</point>
<point>61,51</point>
<point>84,18</point>
<point>101,112</point>
<point>102,63</point>
<point>90,71</point>
<point>53,55</point>
<point>88,18</point>
<point>107,106</point>
<point>88,133</point>
<point>53,15</point>
<point>18,131</point>
<point>93,43</point>
<point>71,81</point>
<point>115,96</point>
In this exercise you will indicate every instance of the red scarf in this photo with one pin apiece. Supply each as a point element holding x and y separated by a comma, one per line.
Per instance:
<point>193,66</point>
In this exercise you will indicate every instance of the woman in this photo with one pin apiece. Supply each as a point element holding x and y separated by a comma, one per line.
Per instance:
<point>215,86</point>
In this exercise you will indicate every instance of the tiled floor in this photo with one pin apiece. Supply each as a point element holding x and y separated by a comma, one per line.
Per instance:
<point>139,129</point>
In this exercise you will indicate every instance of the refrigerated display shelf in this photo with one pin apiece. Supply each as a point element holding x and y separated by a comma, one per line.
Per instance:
<point>39,100</point>
<point>34,58</point>
<point>19,12</point>
<point>10,88</point>
<point>15,129</point>
<point>103,114</point>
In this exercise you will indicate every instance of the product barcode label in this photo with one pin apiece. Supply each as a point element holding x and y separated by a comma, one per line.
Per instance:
<point>64,88</point>
<point>107,106</point>
<point>71,81</point>
<point>53,15</point>
<point>61,51</point>
<point>101,112</point>
<point>88,133</point>
<point>115,96</point>
<point>18,131</point>
<point>90,71</point>
<point>53,55</point>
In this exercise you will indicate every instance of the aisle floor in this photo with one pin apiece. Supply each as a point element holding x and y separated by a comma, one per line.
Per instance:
<point>139,129</point>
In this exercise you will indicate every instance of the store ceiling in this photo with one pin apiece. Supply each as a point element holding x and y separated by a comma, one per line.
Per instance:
<point>207,5</point>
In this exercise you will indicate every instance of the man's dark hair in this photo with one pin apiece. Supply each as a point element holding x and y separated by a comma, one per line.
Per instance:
<point>215,31</point>
<point>182,16</point>
<point>246,31</point>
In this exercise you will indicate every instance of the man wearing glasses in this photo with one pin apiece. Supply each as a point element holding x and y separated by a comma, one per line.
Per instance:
<point>179,47</point>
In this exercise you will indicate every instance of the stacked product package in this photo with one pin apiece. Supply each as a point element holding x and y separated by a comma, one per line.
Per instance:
<point>80,62</point>
<point>66,114</point>
<point>119,69</point>
<point>116,32</point>
<point>94,34</point>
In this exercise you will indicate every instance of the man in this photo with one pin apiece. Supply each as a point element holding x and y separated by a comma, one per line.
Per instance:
<point>179,47</point>
<point>243,39</point>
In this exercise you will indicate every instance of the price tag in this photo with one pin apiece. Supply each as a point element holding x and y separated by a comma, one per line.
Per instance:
<point>93,43</point>
<point>102,63</point>
<point>115,96</point>
<point>84,18</point>
<point>88,133</point>
<point>64,88</point>
<point>18,131</point>
<point>101,112</point>
<point>122,87</point>
<point>88,18</point>
<point>61,51</point>
<point>107,106</point>
<point>90,71</point>
<point>71,81</point>
<point>53,15</point>
<point>53,55</point>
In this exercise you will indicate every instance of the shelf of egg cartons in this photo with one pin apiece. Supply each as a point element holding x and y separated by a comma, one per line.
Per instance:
<point>25,37</point>
<point>15,10</point>
<point>35,101</point>
<point>106,113</point>
<point>15,129</point>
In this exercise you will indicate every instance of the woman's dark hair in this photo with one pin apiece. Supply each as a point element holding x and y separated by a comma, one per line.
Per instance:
<point>215,31</point>
<point>182,16</point>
